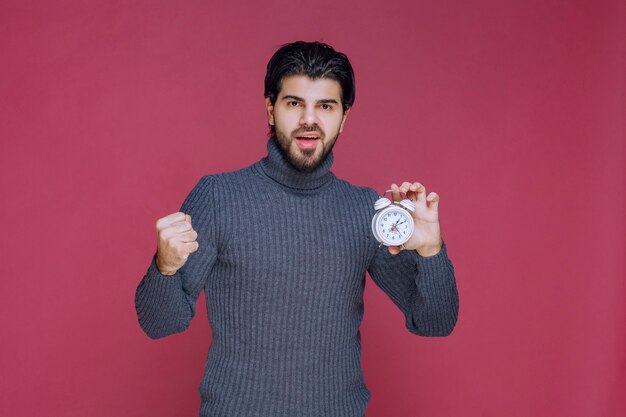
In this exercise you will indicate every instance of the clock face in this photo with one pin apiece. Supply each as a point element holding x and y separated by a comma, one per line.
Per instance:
<point>394,226</point>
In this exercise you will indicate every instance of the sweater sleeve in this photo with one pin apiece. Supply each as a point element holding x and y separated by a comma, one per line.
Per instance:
<point>423,288</point>
<point>166,304</point>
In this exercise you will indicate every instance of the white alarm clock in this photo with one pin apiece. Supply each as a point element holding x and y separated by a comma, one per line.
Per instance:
<point>392,224</point>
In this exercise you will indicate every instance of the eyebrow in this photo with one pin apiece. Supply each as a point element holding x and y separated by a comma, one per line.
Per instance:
<point>323,101</point>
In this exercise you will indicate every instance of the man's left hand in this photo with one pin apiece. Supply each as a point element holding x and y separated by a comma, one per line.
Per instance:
<point>426,237</point>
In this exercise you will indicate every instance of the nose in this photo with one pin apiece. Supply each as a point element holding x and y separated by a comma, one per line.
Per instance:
<point>308,116</point>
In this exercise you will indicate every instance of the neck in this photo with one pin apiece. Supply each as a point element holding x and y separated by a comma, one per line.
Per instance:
<point>276,166</point>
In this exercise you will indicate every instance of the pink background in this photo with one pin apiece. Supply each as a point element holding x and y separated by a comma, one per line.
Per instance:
<point>512,111</point>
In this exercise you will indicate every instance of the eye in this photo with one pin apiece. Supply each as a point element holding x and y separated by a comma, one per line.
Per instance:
<point>293,103</point>
<point>326,106</point>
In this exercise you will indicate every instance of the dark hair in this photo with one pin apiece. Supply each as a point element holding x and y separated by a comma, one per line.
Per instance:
<point>313,59</point>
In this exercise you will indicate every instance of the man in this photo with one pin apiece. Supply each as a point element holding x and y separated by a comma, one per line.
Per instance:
<point>281,248</point>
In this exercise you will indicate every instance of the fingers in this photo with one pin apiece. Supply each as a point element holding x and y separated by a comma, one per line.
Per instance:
<point>190,247</point>
<point>168,220</point>
<point>396,193</point>
<point>405,188</point>
<point>176,240</point>
<point>189,236</point>
<point>433,200</point>
<point>183,249</point>
<point>175,229</point>
<point>416,192</point>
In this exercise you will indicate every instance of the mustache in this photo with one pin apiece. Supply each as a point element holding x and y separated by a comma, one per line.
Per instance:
<point>308,129</point>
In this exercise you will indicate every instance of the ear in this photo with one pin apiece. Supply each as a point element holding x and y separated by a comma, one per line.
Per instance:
<point>343,120</point>
<point>270,111</point>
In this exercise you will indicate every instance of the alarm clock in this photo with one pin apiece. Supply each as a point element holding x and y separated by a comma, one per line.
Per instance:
<point>392,224</point>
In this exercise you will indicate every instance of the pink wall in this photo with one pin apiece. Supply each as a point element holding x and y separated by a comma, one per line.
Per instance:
<point>512,111</point>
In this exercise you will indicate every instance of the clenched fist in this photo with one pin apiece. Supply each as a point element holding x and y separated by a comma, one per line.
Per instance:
<point>176,240</point>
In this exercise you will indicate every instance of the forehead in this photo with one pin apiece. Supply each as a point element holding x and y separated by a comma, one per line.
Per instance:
<point>310,89</point>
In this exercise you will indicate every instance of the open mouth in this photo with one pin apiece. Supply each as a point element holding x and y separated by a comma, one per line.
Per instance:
<point>307,141</point>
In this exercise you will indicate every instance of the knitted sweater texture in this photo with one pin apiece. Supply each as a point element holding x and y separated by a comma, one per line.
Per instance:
<point>282,260</point>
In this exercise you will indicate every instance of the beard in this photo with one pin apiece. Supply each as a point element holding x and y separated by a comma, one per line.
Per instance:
<point>304,160</point>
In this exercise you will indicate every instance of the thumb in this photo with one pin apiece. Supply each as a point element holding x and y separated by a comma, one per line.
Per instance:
<point>394,250</point>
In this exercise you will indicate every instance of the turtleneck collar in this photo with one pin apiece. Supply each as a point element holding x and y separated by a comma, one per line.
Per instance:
<point>278,168</point>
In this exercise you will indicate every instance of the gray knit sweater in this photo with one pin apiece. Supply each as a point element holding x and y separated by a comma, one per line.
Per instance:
<point>282,260</point>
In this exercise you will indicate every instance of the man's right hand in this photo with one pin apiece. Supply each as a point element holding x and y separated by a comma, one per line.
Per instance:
<point>176,240</point>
